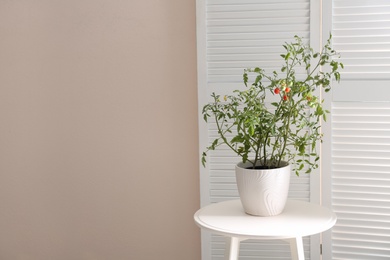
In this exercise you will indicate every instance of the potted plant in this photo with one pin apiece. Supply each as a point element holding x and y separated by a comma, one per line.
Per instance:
<point>274,124</point>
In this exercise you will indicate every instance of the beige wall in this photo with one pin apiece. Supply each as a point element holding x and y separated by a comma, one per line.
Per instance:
<point>98,130</point>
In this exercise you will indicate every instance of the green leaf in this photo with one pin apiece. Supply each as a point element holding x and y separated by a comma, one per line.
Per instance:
<point>251,130</point>
<point>302,148</point>
<point>245,77</point>
<point>337,76</point>
<point>237,139</point>
<point>204,159</point>
<point>258,78</point>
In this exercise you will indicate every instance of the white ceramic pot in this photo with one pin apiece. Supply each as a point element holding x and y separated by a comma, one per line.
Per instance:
<point>263,192</point>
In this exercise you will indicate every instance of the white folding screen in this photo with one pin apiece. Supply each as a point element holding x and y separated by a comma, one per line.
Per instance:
<point>234,35</point>
<point>361,180</point>
<point>356,171</point>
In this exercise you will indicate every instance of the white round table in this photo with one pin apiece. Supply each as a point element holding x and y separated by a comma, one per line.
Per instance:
<point>298,219</point>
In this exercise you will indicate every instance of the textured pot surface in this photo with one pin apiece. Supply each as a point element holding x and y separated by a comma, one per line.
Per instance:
<point>263,192</point>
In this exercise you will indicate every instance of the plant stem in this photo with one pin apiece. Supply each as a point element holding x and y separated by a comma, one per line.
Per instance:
<point>274,146</point>
<point>223,136</point>
<point>265,150</point>
<point>285,137</point>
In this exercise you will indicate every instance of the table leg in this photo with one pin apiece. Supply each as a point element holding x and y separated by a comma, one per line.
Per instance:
<point>296,247</point>
<point>232,248</point>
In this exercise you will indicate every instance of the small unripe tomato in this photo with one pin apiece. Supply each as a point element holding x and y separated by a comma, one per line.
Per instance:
<point>276,90</point>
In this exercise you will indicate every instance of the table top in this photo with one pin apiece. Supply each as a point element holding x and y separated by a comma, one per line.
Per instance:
<point>298,219</point>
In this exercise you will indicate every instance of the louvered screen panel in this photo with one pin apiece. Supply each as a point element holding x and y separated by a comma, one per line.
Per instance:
<point>243,34</point>
<point>361,31</point>
<point>361,180</point>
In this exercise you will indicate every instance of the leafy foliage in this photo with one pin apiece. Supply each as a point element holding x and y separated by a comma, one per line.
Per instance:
<point>286,130</point>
